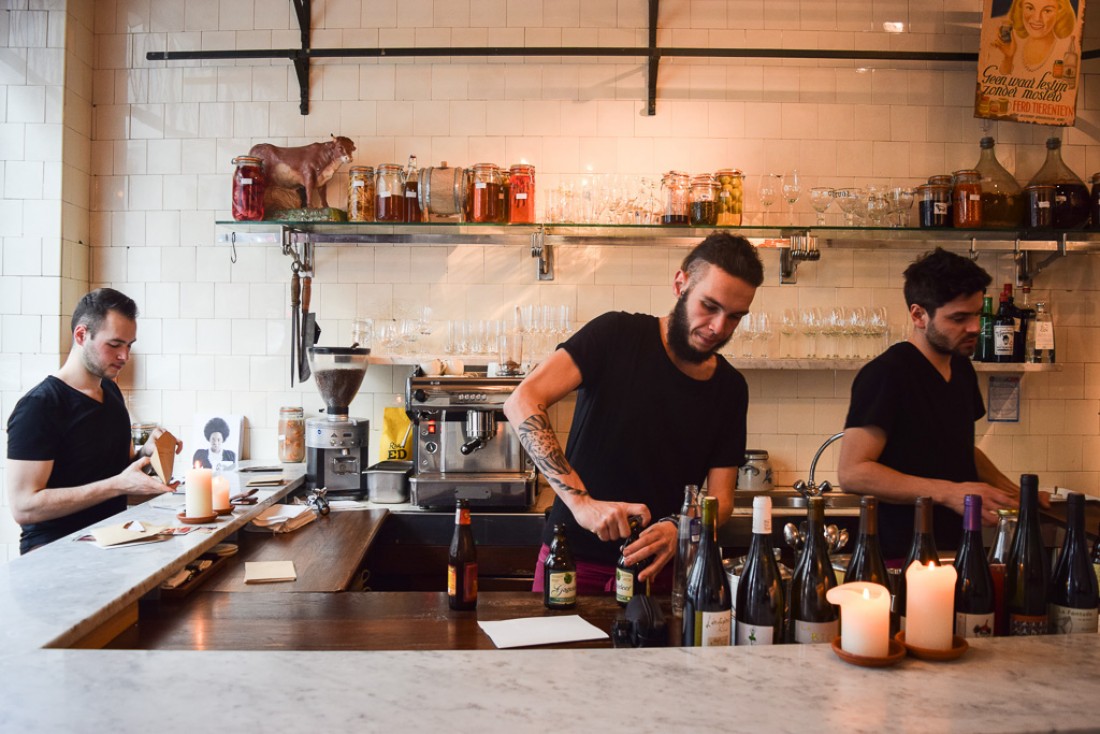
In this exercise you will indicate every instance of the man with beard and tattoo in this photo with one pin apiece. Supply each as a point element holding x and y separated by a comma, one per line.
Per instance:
<point>71,462</point>
<point>910,425</point>
<point>657,408</point>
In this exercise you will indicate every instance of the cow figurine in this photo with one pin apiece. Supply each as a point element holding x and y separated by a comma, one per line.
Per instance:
<point>307,166</point>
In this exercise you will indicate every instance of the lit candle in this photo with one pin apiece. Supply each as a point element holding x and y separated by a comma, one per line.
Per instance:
<point>197,493</point>
<point>929,606</point>
<point>220,491</point>
<point>864,617</point>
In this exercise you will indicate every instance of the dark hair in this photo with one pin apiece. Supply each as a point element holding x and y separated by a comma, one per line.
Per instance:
<point>216,425</point>
<point>731,253</point>
<point>93,307</point>
<point>938,277</point>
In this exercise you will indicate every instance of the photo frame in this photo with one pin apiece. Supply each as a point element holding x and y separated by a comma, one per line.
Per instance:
<point>216,438</point>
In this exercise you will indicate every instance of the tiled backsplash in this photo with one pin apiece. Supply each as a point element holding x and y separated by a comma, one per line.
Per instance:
<point>145,148</point>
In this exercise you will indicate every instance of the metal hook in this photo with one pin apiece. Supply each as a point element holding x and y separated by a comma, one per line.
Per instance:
<point>974,249</point>
<point>233,248</point>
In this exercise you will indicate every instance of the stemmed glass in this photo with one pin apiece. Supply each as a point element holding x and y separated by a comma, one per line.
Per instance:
<point>848,201</point>
<point>770,184</point>
<point>902,199</point>
<point>792,189</point>
<point>762,333</point>
<point>746,334</point>
<point>811,324</point>
<point>788,328</point>
<point>820,199</point>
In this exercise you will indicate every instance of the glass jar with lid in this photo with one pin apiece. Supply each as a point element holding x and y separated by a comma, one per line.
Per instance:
<point>1040,206</point>
<point>248,188</point>
<point>966,199</point>
<point>292,434</point>
<point>731,186</point>
<point>486,193</point>
<point>755,475</point>
<point>521,197</point>
<point>675,194</point>
<point>361,194</point>
<point>1002,196</point>
<point>389,193</point>
<point>1071,196</point>
<point>934,205</point>
<point>703,211</point>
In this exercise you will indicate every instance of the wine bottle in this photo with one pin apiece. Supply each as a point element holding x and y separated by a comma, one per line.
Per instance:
<point>707,606</point>
<point>1073,593</point>
<point>1027,572</point>
<point>810,616</point>
<point>1025,320</point>
<point>923,549</point>
<point>1004,331</point>
<point>462,562</point>
<point>866,563</point>
<point>984,352</point>
<point>759,617</point>
<point>974,598</point>
<point>559,589</point>
<point>626,574</point>
<point>688,529</point>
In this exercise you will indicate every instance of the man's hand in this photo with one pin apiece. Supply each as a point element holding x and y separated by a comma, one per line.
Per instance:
<point>132,480</point>
<point>657,542</point>
<point>993,499</point>
<point>149,446</point>
<point>607,520</point>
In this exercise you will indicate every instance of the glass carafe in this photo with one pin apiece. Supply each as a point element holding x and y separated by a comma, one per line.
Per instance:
<point>1002,197</point>
<point>1071,197</point>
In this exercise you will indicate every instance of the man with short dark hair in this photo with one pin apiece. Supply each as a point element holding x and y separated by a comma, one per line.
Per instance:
<point>910,426</point>
<point>658,408</point>
<point>71,462</point>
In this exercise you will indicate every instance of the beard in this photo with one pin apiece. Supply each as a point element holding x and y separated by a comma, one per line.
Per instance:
<point>679,335</point>
<point>939,341</point>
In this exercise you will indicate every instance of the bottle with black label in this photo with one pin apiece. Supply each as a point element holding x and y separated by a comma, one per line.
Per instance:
<point>559,589</point>
<point>626,574</point>
<point>810,616</point>
<point>984,352</point>
<point>922,549</point>
<point>1073,588</point>
<point>1027,571</point>
<point>974,597</point>
<point>759,617</point>
<point>462,562</point>
<point>707,605</point>
<point>1004,331</point>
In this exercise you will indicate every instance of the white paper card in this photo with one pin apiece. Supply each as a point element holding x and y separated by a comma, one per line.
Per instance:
<point>530,631</point>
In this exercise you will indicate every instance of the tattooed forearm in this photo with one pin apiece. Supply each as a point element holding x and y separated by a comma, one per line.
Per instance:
<point>537,436</point>
<point>557,483</point>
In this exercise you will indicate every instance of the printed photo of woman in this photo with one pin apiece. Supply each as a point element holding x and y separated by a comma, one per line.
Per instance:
<point>1034,38</point>
<point>216,432</point>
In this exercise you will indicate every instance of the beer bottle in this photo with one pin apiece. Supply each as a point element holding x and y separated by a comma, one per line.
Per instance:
<point>559,589</point>
<point>626,575</point>
<point>462,562</point>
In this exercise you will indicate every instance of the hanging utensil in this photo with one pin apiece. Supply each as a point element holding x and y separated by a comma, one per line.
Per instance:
<point>295,296</point>
<point>309,328</point>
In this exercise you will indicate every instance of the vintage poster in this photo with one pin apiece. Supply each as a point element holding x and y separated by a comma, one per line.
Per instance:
<point>1030,60</point>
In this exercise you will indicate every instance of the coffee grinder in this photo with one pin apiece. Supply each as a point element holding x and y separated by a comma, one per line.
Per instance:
<point>336,445</point>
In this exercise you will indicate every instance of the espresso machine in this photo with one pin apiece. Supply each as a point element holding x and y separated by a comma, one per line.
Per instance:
<point>464,447</point>
<point>336,445</point>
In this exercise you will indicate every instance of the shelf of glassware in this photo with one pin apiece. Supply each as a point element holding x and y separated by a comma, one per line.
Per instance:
<point>437,233</point>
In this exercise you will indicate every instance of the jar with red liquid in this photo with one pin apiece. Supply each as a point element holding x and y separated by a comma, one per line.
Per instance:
<point>521,199</point>
<point>675,193</point>
<point>389,193</point>
<point>966,198</point>
<point>486,204</point>
<point>248,189</point>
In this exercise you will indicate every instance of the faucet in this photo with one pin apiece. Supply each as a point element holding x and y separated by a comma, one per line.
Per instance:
<point>809,489</point>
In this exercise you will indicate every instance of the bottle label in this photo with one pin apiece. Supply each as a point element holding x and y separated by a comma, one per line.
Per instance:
<point>1003,338</point>
<point>521,197</point>
<point>562,587</point>
<point>358,184</point>
<point>712,629</point>
<point>1068,621</point>
<point>1027,624</point>
<point>1044,204</point>
<point>246,182</point>
<point>755,634</point>
<point>901,623</point>
<point>468,592</point>
<point>812,633</point>
<point>973,625</point>
<point>939,208</point>
<point>696,529</point>
<point>1044,335</point>
<point>624,586</point>
<point>479,185</point>
<point>410,194</point>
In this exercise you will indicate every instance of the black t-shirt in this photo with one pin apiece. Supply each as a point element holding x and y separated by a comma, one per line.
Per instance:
<point>929,425</point>
<point>86,440</point>
<point>642,429</point>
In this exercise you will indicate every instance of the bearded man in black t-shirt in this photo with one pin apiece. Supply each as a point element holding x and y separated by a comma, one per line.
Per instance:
<point>657,408</point>
<point>910,425</point>
<point>71,462</point>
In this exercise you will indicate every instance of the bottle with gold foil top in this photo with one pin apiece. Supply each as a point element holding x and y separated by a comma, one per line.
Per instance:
<point>1002,196</point>
<point>1071,196</point>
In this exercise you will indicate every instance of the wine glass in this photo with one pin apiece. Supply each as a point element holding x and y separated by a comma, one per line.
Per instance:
<point>903,202</point>
<point>788,328</point>
<point>770,185</point>
<point>820,199</point>
<point>762,333</point>
<point>848,201</point>
<point>792,189</point>
<point>810,320</point>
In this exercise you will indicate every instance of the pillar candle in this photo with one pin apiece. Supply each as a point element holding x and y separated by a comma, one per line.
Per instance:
<point>929,606</point>
<point>197,493</point>
<point>864,617</point>
<point>220,492</point>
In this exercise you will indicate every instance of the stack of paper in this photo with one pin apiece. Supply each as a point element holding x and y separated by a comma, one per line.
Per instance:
<point>130,533</point>
<point>266,572</point>
<point>285,518</point>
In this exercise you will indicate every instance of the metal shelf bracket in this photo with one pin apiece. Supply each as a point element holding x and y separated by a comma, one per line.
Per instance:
<point>803,247</point>
<point>1027,268</point>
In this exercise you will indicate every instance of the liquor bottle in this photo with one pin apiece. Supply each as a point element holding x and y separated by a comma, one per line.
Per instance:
<point>1071,196</point>
<point>759,607</point>
<point>1007,518</point>
<point>707,606</point>
<point>688,529</point>
<point>922,549</point>
<point>412,191</point>
<point>866,563</point>
<point>1004,331</point>
<point>1002,197</point>
<point>559,589</point>
<point>984,352</point>
<point>626,575</point>
<point>1070,62</point>
<point>974,598</point>
<point>1040,338</point>
<point>462,562</point>
<point>1027,571</point>
<point>810,616</point>
<point>1025,318</point>
<point>1073,588</point>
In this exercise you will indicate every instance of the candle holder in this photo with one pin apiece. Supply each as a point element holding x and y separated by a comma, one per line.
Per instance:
<point>182,517</point>
<point>893,657</point>
<point>959,645</point>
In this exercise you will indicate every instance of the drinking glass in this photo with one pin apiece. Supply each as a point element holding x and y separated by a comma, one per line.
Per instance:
<point>903,202</point>
<point>820,199</point>
<point>390,336</point>
<point>770,185</point>
<point>876,205</point>
<point>811,322</point>
<point>788,329</point>
<point>746,333</point>
<point>848,201</point>
<point>762,334</point>
<point>792,189</point>
<point>362,333</point>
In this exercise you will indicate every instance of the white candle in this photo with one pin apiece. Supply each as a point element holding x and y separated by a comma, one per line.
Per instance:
<point>929,606</point>
<point>198,494</point>
<point>220,491</point>
<point>864,618</point>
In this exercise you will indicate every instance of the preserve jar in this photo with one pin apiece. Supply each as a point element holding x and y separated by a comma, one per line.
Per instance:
<point>486,194</point>
<point>521,198</point>
<point>1071,196</point>
<point>1002,197</point>
<point>967,199</point>
<point>1095,209</point>
<point>1040,205</point>
<point>389,193</point>
<point>361,194</point>
<point>704,201</point>
<point>730,196</point>
<point>292,434</point>
<point>248,189</point>
<point>934,205</point>
<point>675,194</point>
<point>755,475</point>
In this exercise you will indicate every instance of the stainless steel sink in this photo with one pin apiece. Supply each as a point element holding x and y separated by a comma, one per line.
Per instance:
<point>786,498</point>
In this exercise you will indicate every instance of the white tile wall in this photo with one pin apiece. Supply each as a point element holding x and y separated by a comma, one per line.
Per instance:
<point>147,172</point>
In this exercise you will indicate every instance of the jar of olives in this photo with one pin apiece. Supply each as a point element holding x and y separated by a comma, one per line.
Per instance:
<point>730,182</point>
